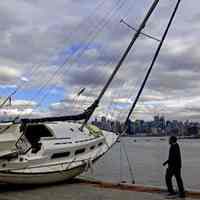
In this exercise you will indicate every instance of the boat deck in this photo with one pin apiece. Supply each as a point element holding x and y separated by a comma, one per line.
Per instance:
<point>76,190</point>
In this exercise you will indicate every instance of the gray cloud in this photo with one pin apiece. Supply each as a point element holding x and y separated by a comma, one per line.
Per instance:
<point>39,32</point>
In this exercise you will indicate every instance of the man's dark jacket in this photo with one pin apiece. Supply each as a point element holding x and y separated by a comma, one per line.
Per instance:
<point>174,160</point>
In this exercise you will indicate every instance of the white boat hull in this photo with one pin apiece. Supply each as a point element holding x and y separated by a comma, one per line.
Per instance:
<point>14,177</point>
<point>58,160</point>
<point>40,178</point>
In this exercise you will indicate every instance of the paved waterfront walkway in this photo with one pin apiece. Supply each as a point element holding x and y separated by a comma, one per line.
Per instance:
<point>73,191</point>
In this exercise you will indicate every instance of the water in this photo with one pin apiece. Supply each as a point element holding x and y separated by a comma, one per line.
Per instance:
<point>146,156</point>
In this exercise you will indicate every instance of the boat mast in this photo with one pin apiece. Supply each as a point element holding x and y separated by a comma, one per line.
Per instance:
<point>151,66</point>
<point>92,108</point>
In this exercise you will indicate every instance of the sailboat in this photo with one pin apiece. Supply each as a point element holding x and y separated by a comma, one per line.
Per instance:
<point>55,149</point>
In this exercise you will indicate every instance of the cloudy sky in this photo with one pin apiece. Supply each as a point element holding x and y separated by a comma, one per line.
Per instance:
<point>50,50</point>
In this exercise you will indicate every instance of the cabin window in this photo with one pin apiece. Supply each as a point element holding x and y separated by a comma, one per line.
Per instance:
<point>79,151</point>
<point>92,147</point>
<point>100,144</point>
<point>60,155</point>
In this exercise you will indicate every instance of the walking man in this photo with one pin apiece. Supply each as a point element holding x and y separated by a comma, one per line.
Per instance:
<point>174,168</point>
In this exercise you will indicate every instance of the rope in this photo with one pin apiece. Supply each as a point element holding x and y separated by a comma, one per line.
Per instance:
<point>129,163</point>
<point>78,54</point>
<point>35,68</point>
<point>120,164</point>
<point>98,30</point>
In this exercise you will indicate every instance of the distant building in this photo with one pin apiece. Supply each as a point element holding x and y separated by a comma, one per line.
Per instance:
<point>158,127</point>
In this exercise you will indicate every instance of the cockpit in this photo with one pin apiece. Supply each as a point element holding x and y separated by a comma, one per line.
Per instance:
<point>30,139</point>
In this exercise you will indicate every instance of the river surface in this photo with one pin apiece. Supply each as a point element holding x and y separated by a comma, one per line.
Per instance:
<point>146,156</point>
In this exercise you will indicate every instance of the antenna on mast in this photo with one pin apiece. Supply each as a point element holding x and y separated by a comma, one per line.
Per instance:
<point>142,33</point>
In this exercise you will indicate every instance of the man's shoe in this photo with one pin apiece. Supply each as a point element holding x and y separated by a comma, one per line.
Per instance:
<point>182,195</point>
<point>171,194</point>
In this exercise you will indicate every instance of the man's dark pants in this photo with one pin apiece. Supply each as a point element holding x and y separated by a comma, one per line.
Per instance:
<point>177,173</point>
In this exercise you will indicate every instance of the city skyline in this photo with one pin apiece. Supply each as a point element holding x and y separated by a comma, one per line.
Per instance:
<point>158,126</point>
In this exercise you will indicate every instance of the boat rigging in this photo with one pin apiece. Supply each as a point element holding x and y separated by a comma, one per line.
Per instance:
<point>53,149</point>
<point>152,63</point>
<point>144,83</point>
<point>86,115</point>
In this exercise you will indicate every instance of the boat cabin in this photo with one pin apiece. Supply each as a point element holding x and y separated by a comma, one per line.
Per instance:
<point>31,137</point>
<point>33,134</point>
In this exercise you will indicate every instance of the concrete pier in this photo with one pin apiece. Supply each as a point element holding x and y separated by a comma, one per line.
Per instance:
<point>161,191</point>
<point>79,190</point>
